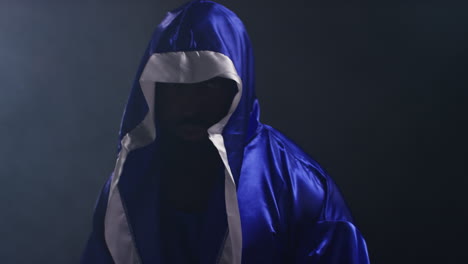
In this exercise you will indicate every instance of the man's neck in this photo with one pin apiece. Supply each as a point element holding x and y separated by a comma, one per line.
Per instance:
<point>188,154</point>
<point>189,171</point>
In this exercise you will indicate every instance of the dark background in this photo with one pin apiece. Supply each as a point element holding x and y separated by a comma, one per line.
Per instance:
<point>375,91</point>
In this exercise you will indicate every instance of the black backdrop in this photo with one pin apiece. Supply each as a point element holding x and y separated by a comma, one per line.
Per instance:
<point>375,91</point>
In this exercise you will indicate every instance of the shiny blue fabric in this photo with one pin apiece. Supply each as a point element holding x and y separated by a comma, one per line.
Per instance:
<point>290,209</point>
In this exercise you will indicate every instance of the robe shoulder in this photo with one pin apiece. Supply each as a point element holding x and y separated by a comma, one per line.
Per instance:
<point>321,228</point>
<point>314,189</point>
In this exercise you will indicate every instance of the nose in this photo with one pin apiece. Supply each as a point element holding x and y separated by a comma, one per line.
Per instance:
<point>192,100</point>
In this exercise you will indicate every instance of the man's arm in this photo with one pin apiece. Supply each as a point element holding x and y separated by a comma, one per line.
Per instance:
<point>96,250</point>
<point>332,238</point>
<point>334,242</point>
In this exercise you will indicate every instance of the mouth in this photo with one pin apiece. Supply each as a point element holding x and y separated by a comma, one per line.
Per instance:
<point>192,131</point>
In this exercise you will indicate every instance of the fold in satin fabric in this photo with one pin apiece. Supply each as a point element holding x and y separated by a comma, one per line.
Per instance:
<point>291,211</point>
<point>338,242</point>
<point>279,207</point>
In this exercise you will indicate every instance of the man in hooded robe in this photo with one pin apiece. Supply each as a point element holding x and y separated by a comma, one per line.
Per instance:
<point>198,178</point>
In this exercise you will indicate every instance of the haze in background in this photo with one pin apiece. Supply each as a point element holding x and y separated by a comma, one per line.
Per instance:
<point>375,92</point>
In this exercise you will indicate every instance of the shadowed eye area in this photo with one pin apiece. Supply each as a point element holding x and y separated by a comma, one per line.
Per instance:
<point>187,110</point>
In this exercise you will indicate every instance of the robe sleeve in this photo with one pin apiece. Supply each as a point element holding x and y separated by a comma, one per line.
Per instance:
<point>335,242</point>
<point>96,251</point>
<point>331,237</point>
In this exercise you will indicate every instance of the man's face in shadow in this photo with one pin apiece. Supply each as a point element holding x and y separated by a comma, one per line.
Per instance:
<point>185,111</point>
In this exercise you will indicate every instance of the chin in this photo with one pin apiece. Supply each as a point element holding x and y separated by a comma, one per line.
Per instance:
<point>193,137</point>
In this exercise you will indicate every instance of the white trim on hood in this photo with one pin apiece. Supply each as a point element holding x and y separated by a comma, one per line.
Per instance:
<point>175,67</point>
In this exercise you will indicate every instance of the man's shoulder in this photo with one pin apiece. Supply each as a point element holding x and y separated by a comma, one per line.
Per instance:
<point>285,159</point>
<point>288,147</point>
<point>308,172</point>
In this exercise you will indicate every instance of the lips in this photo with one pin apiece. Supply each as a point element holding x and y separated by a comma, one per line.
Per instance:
<point>192,131</point>
<point>193,123</point>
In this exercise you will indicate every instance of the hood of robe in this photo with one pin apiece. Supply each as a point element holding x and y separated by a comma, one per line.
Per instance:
<point>195,42</point>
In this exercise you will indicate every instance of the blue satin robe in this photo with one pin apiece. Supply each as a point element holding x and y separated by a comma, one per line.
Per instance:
<point>291,211</point>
